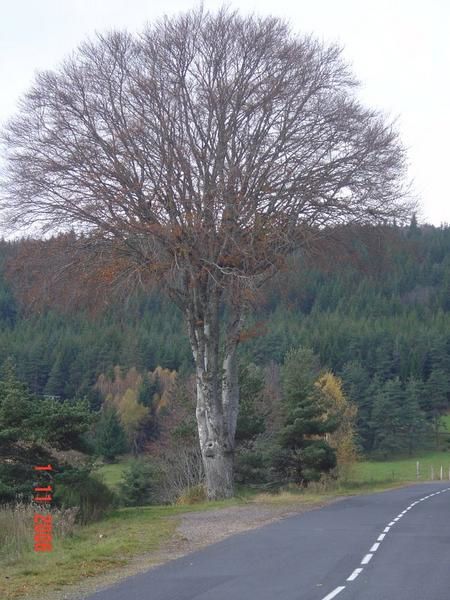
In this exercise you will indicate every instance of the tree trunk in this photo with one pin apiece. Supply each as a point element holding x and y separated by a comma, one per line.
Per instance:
<point>215,435</point>
<point>217,401</point>
<point>219,473</point>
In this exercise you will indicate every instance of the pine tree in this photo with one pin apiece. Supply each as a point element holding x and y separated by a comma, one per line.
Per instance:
<point>29,428</point>
<point>250,420</point>
<point>386,418</point>
<point>57,379</point>
<point>436,392</point>
<point>413,421</point>
<point>356,384</point>
<point>109,435</point>
<point>148,394</point>
<point>139,485</point>
<point>413,230</point>
<point>249,464</point>
<point>147,390</point>
<point>304,453</point>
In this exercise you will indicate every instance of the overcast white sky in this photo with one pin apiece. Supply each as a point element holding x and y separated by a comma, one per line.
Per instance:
<point>399,49</point>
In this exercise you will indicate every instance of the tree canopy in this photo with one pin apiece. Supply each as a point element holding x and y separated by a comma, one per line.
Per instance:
<point>200,153</point>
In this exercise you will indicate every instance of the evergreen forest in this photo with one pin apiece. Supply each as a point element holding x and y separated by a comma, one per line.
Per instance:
<point>373,306</point>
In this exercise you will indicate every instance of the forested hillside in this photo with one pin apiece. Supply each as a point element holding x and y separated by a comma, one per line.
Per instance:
<point>376,310</point>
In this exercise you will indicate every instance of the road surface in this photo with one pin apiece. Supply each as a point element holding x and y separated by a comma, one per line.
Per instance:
<point>389,546</point>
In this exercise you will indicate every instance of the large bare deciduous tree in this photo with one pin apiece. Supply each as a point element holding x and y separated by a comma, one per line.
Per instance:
<point>202,152</point>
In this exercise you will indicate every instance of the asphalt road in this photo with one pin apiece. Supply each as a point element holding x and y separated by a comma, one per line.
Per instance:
<point>389,546</point>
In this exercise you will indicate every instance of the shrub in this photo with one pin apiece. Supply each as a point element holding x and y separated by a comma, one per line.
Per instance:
<point>181,470</point>
<point>250,466</point>
<point>78,488</point>
<point>140,484</point>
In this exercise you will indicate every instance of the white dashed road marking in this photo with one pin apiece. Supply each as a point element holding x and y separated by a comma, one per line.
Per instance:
<point>334,593</point>
<point>354,575</point>
<point>368,557</point>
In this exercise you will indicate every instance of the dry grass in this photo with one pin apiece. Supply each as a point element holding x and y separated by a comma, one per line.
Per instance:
<point>193,495</point>
<point>17,528</point>
<point>287,497</point>
<point>92,550</point>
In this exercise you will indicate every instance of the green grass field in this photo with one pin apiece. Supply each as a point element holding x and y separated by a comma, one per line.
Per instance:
<point>401,469</point>
<point>111,474</point>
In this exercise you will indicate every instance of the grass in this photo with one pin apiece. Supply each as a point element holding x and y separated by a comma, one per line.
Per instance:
<point>401,470</point>
<point>111,474</point>
<point>17,525</point>
<point>93,549</point>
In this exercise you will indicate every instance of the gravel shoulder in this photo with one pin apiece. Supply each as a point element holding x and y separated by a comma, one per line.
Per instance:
<point>194,531</point>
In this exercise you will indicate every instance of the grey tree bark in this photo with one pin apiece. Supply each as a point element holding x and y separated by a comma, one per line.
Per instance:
<point>217,392</point>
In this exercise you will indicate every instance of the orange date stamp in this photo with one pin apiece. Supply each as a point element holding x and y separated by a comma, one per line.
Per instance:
<point>43,494</point>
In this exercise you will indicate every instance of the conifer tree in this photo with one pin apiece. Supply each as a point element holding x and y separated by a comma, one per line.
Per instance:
<point>343,439</point>
<point>437,389</point>
<point>413,420</point>
<point>109,435</point>
<point>305,454</point>
<point>356,384</point>
<point>250,420</point>
<point>30,429</point>
<point>386,419</point>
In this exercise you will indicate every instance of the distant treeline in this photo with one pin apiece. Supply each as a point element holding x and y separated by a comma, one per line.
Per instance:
<point>375,308</point>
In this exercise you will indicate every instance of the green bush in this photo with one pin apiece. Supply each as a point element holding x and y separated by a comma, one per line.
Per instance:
<point>250,466</point>
<point>140,484</point>
<point>318,458</point>
<point>76,487</point>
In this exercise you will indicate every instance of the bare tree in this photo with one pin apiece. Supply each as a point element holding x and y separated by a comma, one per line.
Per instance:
<point>202,152</point>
